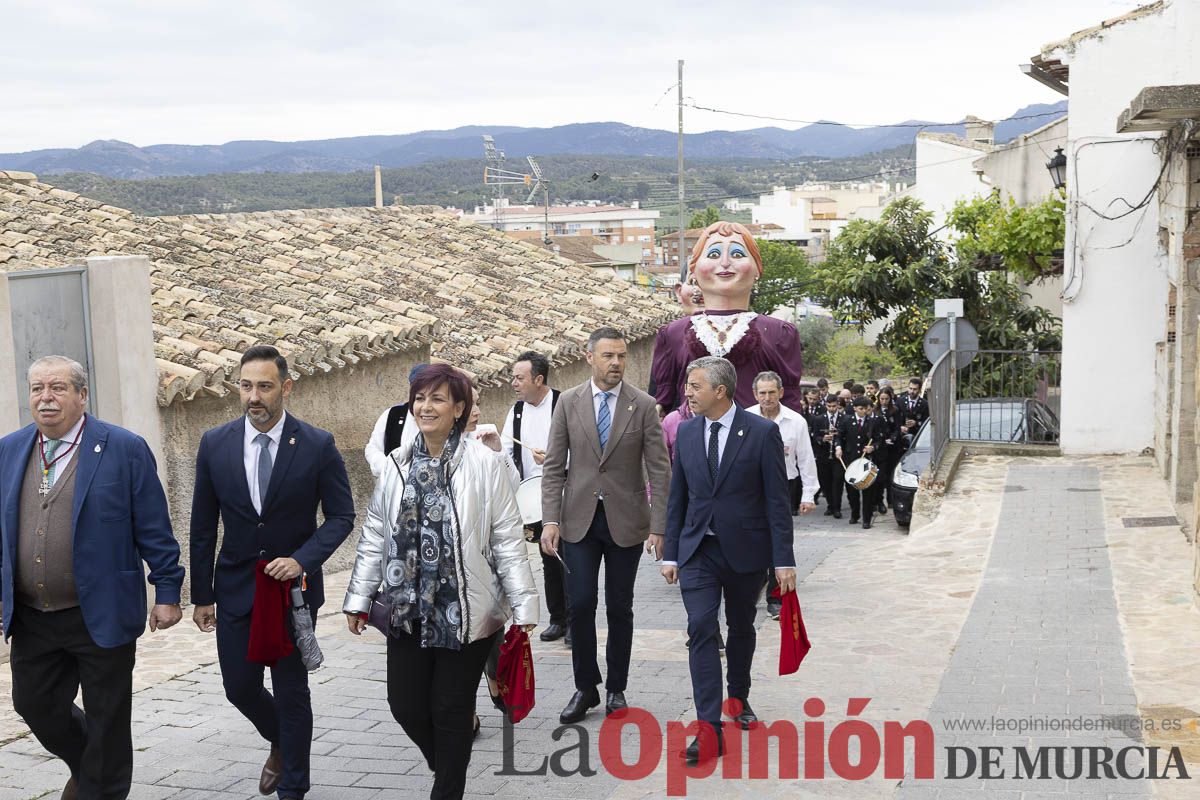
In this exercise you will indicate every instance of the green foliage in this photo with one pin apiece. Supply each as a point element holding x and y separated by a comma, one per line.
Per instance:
<point>623,179</point>
<point>816,336</point>
<point>702,219</point>
<point>786,277</point>
<point>849,357</point>
<point>875,268</point>
<point>1024,237</point>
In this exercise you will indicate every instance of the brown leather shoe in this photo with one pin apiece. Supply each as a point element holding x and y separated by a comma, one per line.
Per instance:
<point>272,773</point>
<point>71,790</point>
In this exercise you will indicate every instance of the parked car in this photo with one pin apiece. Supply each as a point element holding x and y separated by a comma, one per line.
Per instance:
<point>993,419</point>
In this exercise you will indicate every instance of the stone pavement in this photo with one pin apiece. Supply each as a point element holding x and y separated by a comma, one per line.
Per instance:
<point>1027,597</point>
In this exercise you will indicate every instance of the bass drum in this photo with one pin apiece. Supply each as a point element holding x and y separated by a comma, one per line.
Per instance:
<point>529,500</point>
<point>861,473</point>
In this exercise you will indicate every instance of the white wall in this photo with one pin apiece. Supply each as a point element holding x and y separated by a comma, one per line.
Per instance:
<point>1115,278</point>
<point>945,175</point>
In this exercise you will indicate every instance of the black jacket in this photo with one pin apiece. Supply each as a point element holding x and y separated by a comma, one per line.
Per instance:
<point>852,437</point>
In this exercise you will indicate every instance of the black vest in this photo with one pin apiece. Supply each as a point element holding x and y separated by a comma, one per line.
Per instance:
<point>393,431</point>
<point>518,407</point>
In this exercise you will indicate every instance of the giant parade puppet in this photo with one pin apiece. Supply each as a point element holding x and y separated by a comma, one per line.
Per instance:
<point>724,266</point>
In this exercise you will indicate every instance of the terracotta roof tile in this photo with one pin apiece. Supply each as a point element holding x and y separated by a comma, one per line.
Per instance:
<point>329,287</point>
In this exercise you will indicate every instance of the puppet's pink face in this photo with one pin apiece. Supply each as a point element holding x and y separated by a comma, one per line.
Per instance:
<point>725,267</point>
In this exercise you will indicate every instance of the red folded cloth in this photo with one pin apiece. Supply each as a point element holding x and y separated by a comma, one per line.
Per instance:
<point>269,639</point>
<point>514,673</point>
<point>793,639</point>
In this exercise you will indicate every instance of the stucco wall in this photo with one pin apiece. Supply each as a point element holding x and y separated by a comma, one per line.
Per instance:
<point>345,402</point>
<point>945,175</point>
<point>1115,280</point>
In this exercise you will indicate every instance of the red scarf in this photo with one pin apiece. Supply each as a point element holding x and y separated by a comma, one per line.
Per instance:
<point>793,639</point>
<point>514,673</point>
<point>269,639</point>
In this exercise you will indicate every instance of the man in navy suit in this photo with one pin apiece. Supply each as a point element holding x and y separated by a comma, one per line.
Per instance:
<point>81,508</point>
<point>728,522</point>
<point>263,475</point>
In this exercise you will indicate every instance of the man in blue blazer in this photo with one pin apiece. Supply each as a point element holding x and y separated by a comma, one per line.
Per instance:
<point>81,508</point>
<point>263,475</point>
<point>728,522</point>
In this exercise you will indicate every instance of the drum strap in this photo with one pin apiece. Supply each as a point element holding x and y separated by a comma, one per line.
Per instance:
<point>518,408</point>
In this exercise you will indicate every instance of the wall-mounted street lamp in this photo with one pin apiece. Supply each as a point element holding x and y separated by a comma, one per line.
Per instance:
<point>1058,168</point>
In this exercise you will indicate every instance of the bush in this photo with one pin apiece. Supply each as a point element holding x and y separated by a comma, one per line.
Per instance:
<point>816,335</point>
<point>848,357</point>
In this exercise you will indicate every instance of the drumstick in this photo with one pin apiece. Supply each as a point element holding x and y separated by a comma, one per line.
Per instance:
<point>518,441</point>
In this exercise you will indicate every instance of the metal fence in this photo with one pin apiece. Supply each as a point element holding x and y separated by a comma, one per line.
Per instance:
<point>1002,396</point>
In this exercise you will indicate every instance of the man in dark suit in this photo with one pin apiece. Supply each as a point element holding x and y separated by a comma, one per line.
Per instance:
<point>263,476</point>
<point>728,522</point>
<point>81,508</point>
<point>859,435</point>
<point>598,510</point>
<point>914,409</point>
<point>829,470</point>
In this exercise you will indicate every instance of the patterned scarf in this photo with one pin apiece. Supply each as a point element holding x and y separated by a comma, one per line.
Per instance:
<point>421,579</point>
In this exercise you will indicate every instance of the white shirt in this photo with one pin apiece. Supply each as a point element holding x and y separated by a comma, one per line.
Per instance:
<point>503,456</point>
<point>250,451</point>
<point>61,465</point>
<point>614,393</point>
<point>797,448</point>
<point>535,432</point>
<point>376,457</point>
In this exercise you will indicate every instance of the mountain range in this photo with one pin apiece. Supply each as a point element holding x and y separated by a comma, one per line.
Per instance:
<point>118,159</point>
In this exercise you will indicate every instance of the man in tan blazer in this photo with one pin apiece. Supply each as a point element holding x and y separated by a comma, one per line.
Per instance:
<point>610,433</point>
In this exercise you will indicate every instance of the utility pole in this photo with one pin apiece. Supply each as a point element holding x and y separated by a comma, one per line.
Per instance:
<point>682,223</point>
<point>378,186</point>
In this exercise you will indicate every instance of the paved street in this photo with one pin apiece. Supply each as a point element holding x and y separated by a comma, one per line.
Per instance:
<point>1029,597</point>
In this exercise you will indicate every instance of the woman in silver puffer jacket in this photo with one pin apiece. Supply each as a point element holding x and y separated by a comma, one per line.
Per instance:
<point>442,555</point>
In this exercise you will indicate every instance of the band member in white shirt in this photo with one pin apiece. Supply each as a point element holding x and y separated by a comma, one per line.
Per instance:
<point>526,432</point>
<point>797,455</point>
<point>394,427</point>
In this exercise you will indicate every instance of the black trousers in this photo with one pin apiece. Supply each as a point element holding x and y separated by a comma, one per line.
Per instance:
<point>431,693</point>
<point>583,558</point>
<point>553,580</point>
<point>702,581</point>
<point>887,460</point>
<point>282,716</point>
<point>863,502</point>
<point>52,657</point>
<point>832,478</point>
<point>795,492</point>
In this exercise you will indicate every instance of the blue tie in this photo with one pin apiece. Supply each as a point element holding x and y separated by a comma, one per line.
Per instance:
<point>714,460</point>
<point>264,467</point>
<point>604,419</point>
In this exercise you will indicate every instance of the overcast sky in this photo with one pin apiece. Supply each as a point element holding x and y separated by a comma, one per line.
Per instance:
<point>162,71</point>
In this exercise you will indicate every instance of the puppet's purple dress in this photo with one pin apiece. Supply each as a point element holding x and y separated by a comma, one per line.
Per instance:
<point>753,342</point>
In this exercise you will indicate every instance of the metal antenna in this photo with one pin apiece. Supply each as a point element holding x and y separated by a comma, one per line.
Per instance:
<point>495,158</point>
<point>495,176</point>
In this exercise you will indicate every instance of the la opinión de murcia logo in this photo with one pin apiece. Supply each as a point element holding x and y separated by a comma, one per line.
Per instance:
<point>805,751</point>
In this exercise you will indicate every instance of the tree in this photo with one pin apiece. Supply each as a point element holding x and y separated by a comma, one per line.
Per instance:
<point>702,219</point>
<point>896,266</point>
<point>1020,239</point>
<point>816,335</point>
<point>786,279</point>
<point>850,357</point>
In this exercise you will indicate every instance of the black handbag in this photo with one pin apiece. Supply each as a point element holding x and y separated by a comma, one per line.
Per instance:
<point>379,616</point>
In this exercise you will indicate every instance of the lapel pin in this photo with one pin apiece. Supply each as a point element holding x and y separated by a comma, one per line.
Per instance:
<point>630,408</point>
<point>741,432</point>
<point>97,448</point>
<point>292,440</point>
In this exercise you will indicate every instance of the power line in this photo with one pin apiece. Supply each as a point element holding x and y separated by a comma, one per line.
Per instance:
<point>770,118</point>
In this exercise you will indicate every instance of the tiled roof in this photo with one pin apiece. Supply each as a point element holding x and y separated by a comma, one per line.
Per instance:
<point>950,138</point>
<point>578,248</point>
<point>329,287</point>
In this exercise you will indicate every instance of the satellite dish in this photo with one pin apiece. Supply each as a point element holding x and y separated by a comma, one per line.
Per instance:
<point>937,341</point>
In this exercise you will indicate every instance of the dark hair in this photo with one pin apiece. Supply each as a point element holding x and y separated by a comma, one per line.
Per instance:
<point>832,398</point>
<point>873,382</point>
<point>857,389</point>
<point>265,352</point>
<point>911,381</point>
<point>889,392</point>
<point>455,381</point>
<point>848,384</point>
<point>822,383</point>
<point>603,333</point>
<point>861,402</point>
<point>538,364</point>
